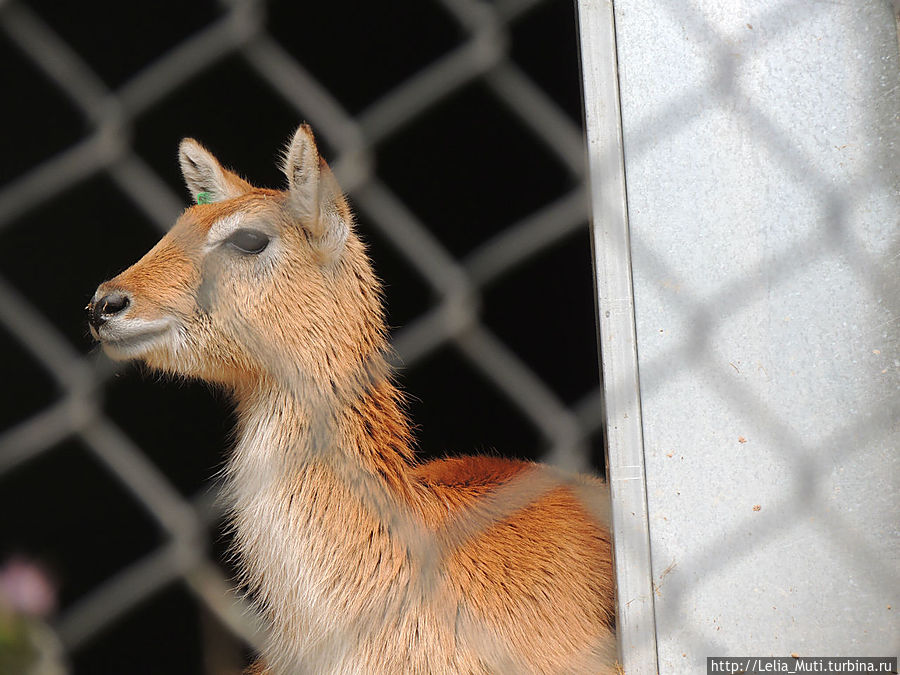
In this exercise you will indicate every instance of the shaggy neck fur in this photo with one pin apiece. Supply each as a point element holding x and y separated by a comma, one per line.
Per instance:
<point>317,484</point>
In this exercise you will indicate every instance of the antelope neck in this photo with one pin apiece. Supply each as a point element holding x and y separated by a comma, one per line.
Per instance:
<point>315,493</point>
<point>362,439</point>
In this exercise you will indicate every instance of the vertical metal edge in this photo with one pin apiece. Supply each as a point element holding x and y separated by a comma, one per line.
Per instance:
<point>610,241</point>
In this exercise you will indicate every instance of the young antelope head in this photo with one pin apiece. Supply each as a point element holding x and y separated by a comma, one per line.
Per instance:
<point>250,283</point>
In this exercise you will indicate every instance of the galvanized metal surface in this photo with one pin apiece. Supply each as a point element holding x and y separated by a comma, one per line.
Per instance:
<point>761,155</point>
<point>618,357</point>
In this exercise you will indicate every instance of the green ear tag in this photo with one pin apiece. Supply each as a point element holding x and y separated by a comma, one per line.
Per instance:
<point>204,198</point>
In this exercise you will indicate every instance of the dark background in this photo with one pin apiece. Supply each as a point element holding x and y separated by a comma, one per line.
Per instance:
<point>467,168</point>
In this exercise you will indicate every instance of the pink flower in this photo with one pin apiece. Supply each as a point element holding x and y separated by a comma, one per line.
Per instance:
<point>26,587</point>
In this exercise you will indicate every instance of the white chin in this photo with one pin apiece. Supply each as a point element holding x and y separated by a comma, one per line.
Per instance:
<point>122,343</point>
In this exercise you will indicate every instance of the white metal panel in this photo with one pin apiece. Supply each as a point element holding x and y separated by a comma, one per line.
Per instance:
<point>760,143</point>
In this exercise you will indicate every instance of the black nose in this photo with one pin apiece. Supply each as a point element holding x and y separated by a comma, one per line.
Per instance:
<point>107,306</point>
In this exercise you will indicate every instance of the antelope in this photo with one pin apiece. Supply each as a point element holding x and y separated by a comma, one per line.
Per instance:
<point>359,558</point>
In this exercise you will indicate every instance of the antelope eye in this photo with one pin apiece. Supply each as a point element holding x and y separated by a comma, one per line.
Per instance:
<point>248,241</point>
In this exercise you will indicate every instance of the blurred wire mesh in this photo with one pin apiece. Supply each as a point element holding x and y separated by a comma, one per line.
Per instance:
<point>455,282</point>
<point>457,276</point>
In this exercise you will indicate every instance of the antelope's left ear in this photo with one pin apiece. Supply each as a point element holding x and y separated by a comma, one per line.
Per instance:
<point>315,198</point>
<point>206,178</point>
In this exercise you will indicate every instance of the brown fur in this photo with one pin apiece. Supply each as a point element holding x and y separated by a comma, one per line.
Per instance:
<point>360,559</point>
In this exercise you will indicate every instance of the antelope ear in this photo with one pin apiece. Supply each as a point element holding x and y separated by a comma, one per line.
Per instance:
<point>208,180</point>
<point>314,196</point>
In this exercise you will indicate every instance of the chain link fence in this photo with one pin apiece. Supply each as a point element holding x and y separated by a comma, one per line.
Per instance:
<point>452,291</point>
<point>452,283</point>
